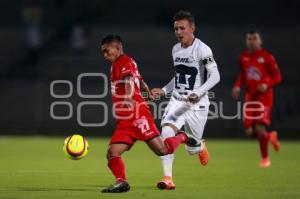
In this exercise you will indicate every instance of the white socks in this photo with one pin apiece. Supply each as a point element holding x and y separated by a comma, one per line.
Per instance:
<point>167,160</point>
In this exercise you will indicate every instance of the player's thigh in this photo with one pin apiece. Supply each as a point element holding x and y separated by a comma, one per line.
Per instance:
<point>195,121</point>
<point>144,126</point>
<point>122,139</point>
<point>117,149</point>
<point>264,116</point>
<point>250,113</point>
<point>170,117</point>
<point>157,146</point>
<point>194,127</point>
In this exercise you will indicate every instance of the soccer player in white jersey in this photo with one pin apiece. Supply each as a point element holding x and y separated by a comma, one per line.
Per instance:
<point>196,73</point>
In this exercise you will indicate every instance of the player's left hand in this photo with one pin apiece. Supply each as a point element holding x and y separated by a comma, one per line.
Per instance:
<point>262,87</point>
<point>193,98</point>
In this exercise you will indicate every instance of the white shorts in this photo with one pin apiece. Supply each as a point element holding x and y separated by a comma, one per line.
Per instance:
<point>193,120</point>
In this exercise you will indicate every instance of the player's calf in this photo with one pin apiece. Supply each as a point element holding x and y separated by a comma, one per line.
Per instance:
<point>168,146</point>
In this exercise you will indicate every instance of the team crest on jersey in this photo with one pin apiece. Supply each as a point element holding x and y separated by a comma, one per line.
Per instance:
<point>253,73</point>
<point>261,60</point>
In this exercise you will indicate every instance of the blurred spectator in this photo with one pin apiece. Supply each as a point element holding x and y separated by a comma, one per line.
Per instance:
<point>32,17</point>
<point>79,38</point>
<point>33,37</point>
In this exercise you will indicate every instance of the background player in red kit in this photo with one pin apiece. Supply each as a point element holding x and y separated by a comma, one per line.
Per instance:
<point>259,73</point>
<point>134,120</point>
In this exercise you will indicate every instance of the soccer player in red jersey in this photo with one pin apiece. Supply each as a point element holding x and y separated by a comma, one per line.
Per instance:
<point>259,73</point>
<point>134,120</point>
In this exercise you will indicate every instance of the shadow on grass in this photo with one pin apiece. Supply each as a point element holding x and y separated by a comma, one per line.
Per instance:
<point>46,189</point>
<point>133,187</point>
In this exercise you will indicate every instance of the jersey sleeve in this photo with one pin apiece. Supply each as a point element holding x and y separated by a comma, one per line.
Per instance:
<point>169,87</point>
<point>207,57</point>
<point>274,72</point>
<point>213,75</point>
<point>127,69</point>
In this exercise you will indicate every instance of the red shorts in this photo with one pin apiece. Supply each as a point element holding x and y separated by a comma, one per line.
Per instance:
<point>258,109</point>
<point>141,127</point>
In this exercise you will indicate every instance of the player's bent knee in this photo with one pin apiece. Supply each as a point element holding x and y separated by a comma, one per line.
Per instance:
<point>259,128</point>
<point>172,126</point>
<point>112,153</point>
<point>161,151</point>
<point>249,131</point>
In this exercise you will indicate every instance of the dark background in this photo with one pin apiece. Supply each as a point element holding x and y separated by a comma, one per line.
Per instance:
<point>42,41</point>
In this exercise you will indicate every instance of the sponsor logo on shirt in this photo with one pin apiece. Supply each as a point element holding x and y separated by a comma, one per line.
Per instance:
<point>253,73</point>
<point>183,60</point>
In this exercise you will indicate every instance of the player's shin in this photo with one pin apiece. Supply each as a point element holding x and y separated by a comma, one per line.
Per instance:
<point>167,160</point>
<point>263,139</point>
<point>117,167</point>
<point>167,164</point>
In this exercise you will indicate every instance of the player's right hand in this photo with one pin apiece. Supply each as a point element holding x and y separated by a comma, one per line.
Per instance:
<point>235,92</point>
<point>193,98</point>
<point>157,92</point>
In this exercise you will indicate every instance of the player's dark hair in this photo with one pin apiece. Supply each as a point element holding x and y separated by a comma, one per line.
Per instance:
<point>111,38</point>
<point>182,14</point>
<point>253,31</point>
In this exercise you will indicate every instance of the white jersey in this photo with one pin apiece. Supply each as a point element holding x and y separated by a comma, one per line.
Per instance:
<point>191,66</point>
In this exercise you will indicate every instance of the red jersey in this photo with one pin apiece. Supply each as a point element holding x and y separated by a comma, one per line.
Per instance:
<point>135,123</point>
<point>256,68</point>
<point>125,66</point>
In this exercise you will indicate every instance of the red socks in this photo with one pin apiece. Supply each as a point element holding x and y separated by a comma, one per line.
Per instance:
<point>117,167</point>
<point>173,142</point>
<point>263,140</point>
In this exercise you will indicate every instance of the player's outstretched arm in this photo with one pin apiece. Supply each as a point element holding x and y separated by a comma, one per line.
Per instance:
<point>236,89</point>
<point>212,80</point>
<point>157,92</point>
<point>274,72</point>
<point>145,88</point>
<point>239,82</point>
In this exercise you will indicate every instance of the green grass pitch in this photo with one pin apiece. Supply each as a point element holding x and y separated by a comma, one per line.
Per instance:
<point>35,167</point>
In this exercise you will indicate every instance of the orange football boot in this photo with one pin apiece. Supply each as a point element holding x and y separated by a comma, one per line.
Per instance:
<point>166,183</point>
<point>265,163</point>
<point>274,141</point>
<point>204,155</point>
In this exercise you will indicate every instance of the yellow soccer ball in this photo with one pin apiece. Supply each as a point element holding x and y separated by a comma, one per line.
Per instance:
<point>76,147</point>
